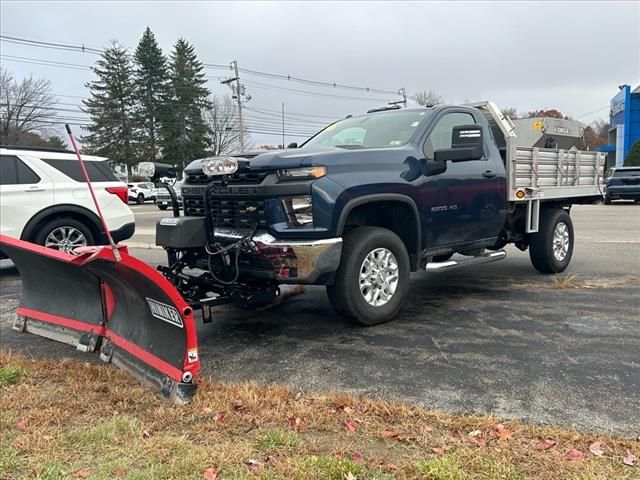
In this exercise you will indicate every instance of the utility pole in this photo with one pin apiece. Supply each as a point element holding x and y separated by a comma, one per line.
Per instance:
<point>238,92</point>
<point>283,146</point>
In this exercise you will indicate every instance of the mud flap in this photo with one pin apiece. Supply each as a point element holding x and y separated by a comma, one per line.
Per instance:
<point>125,310</point>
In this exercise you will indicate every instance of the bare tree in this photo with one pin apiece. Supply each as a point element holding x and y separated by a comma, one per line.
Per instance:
<point>25,107</point>
<point>428,98</point>
<point>224,127</point>
<point>510,112</point>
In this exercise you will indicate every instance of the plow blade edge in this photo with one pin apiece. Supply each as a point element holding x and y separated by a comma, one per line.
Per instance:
<point>125,310</point>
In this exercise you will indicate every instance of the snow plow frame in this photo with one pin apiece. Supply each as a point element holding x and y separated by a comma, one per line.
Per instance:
<point>123,308</point>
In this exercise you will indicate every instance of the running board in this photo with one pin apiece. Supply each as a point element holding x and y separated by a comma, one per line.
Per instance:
<point>451,264</point>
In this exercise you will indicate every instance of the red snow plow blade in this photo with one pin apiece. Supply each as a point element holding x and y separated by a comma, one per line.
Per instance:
<point>124,309</point>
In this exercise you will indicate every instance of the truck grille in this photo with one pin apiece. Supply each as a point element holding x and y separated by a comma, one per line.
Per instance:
<point>236,213</point>
<point>241,177</point>
<point>194,206</point>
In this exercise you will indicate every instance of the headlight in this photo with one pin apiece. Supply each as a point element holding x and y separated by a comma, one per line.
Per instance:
<point>306,173</point>
<point>219,166</point>
<point>299,211</point>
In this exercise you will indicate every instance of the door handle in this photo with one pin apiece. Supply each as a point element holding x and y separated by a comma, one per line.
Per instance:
<point>34,189</point>
<point>488,174</point>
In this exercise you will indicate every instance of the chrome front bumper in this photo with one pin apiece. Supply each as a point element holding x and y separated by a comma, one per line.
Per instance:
<point>293,261</point>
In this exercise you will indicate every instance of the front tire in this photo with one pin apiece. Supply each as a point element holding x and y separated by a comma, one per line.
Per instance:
<point>607,200</point>
<point>162,207</point>
<point>64,234</point>
<point>140,199</point>
<point>372,280</point>
<point>551,248</point>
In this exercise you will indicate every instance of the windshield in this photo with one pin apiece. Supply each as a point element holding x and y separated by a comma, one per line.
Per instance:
<point>375,130</point>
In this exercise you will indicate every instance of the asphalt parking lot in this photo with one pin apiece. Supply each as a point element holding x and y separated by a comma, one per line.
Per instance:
<point>497,338</point>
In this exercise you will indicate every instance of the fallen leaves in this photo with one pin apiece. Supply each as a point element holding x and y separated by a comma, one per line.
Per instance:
<point>575,454</point>
<point>253,464</point>
<point>500,432</point>
<point>239,406</point>
<point>295,422</point>
<point>390,434</point>
<point>210,473</point>
<point>629,459</point>
<point>546,444</point>
<point>596,449</point>
<point>21,424</point>
<point>438,450</point>
<point>85,473</point>
<point>350,426</point>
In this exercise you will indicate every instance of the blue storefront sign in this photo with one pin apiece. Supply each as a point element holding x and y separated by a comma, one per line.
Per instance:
<point>624,123</point>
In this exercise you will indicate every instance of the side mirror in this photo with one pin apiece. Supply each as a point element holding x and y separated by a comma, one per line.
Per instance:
<point>292,145</point>
<point>434,167</point>
<point>466,144</point>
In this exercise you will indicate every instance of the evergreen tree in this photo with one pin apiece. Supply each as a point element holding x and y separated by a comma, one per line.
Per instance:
<point>151,83</point>
<point>111,108</point>
<point>633,156</point>
<point>185,133</point>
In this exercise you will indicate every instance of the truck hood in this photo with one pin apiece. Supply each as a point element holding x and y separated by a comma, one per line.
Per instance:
<point>327,156</point>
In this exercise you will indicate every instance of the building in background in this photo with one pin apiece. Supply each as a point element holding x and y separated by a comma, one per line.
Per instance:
<point>625,125</point>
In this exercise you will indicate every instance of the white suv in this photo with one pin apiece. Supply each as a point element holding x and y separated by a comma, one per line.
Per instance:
<point>141,191</point>
<point>44,199</point>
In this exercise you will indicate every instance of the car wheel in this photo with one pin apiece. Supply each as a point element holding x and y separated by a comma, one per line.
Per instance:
<point>607,200</point>
<point>64,234</point>
<point>162,207</point>
<point>140,199</point>
<point>637,200</point>
<point>550,249</point>
<point>372,280</point>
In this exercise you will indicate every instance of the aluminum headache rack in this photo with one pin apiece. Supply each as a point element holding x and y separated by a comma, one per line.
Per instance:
<point>543,173</point>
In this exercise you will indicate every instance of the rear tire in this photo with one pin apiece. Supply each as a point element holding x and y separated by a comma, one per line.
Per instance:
<point>64,234</point>
<point>372,280</point>
<point>551,248</point>
<point>162,207</point>
<point>140,199</point>
<point>607,200</point>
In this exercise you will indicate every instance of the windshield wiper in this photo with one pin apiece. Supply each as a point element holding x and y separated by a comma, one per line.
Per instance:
<point>351,147</point>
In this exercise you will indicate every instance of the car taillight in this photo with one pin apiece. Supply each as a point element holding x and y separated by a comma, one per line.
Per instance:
<point>121,192</point>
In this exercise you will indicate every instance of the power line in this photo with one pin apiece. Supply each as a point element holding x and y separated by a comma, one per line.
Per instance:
<point>276,88</point>
<point>82,48</point>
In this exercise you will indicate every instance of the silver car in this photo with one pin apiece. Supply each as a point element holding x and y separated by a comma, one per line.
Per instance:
<point>163,199</point>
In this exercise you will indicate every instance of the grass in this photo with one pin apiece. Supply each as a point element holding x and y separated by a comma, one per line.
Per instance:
<point>10,374</point>
<point>67,420</point>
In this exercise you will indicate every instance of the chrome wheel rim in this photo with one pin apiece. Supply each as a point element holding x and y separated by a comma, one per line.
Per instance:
<point>561,241</point>
<point>65,239</point>
<point>378,277</point>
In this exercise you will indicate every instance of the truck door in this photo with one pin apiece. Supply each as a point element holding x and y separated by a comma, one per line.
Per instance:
<point>463,202</point>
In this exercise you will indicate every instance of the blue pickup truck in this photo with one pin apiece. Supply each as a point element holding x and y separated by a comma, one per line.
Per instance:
<point>368,200</point>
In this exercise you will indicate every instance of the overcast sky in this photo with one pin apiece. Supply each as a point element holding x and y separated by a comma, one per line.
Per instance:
<point>528,55</point>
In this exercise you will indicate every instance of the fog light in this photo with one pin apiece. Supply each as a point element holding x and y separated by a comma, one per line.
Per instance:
<point>299,210</point>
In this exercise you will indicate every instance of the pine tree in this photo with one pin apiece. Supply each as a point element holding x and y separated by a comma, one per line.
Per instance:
<point>151,83</point>
<point>633,156</point>
<point>185,133</point>
<point>111,108</point>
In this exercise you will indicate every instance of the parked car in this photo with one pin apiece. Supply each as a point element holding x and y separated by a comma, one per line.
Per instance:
<point>44,199</point>
<point>622,183</point>
<point>141,192</point>
<point>163,199</point>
